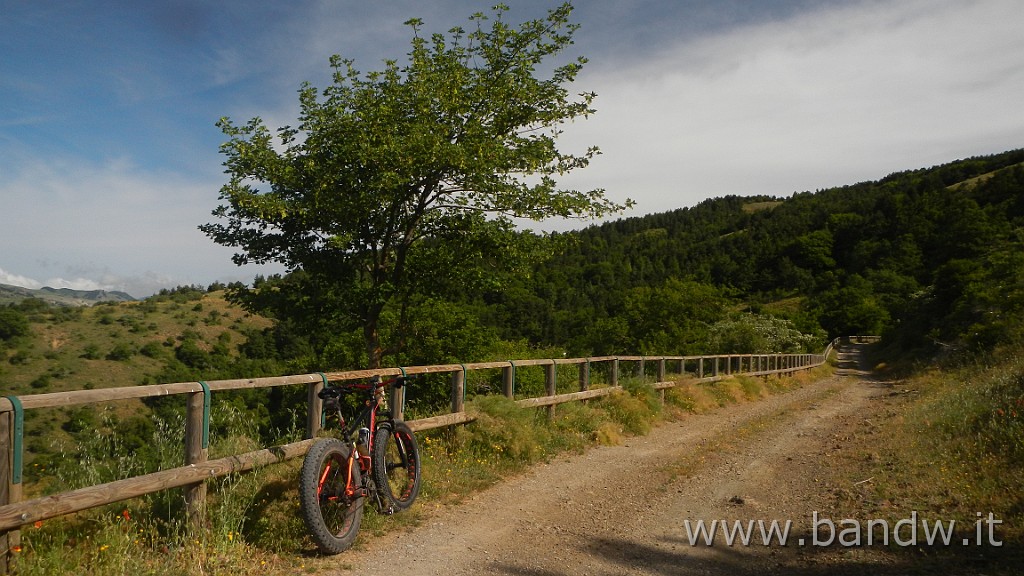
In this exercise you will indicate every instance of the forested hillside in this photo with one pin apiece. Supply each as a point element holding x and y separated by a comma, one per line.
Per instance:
<point>930,258</point>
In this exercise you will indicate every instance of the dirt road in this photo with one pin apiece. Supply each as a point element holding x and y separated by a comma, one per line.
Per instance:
<point>622,509</point>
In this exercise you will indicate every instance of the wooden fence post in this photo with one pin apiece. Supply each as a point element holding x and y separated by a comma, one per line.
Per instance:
<point>314,407</point>
<point>508,380</point>
<point>614,376</point>
<point>459,391</point>
<point>551,385</point>
<point>661,378</point>
<point>585,376</point>
<point>197,444</point>
<point>398,402</point>
<point>10,491</point>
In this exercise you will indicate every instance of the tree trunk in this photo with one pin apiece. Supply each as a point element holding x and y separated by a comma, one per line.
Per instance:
<point>372,341</point>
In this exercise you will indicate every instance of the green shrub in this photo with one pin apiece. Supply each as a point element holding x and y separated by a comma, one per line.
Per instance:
<point>982,414</point>
<point>751,387</point>
<point>505,430</point>
<point>632,413</point>
<point>121,351</point>
<point>12,324</point>
<point>152,350</point>
<point>20,357</point>
<point>645,393</point>
<point>579,422</point>
<point>42,382</point>
<point>91,352</point>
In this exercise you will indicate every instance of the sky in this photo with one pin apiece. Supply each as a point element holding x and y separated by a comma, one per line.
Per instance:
<point>109,153</point>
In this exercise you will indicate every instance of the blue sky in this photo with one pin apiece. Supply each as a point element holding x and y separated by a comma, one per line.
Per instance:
<point>109,154</point>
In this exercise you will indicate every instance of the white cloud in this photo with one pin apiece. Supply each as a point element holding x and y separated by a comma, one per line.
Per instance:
<point>828,98</point>
<point>17,280</point>
<point>77,284</point>
<point>111,227</point>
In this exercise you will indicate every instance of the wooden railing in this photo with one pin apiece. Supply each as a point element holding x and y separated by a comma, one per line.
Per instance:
<point>198,396</point>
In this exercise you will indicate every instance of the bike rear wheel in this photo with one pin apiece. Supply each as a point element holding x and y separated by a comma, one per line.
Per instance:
<point>330,509</point>
<point>396,464</point>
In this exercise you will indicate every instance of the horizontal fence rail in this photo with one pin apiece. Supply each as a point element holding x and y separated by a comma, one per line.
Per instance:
<point>16,512</point>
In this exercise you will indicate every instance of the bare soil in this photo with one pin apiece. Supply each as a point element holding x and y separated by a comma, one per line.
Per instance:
<point>622,509</point>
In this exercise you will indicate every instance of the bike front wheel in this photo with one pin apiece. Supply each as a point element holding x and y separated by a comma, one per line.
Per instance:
<point>396,464</point>
<point>329,495</point>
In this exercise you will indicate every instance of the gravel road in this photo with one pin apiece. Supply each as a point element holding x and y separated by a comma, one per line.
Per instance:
<point>622,509</point>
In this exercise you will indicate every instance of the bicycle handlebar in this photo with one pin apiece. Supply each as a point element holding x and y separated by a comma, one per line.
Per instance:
<point>335,391</point>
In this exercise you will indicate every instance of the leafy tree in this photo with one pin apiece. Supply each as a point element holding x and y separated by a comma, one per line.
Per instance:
<point>121,351</point>
<point>405,182</point>
<point>671,318</point>
<point>757,334</point>
<point>12,323</point>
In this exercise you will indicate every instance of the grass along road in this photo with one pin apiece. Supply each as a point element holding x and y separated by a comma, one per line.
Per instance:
<point>621,509</point>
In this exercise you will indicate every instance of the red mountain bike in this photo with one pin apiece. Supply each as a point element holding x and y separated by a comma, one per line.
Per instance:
<point>376,458</point>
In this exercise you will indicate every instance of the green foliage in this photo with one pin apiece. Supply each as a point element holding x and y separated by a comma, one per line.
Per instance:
<point>121,351</point>
<point>674,316</point>
<point>977,414</point>
<point>505,430</point>
<point>629,411</point>
<point>927,260</point>
<point>757,334</point>
<point>153,350</point>
<point>13,323</point>
<point>403,182</point>
<point>180,294</point>
<point>41,383</point>
<point>91,352</point>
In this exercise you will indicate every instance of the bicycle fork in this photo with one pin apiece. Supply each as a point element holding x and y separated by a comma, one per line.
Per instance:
<point>351,491</point>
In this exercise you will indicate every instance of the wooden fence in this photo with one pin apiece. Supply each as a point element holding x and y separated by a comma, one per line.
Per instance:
<point>16,512</point>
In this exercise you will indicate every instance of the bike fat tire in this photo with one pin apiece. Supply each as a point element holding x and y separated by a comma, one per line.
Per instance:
<point>331,518</point>
<point>396,464</point>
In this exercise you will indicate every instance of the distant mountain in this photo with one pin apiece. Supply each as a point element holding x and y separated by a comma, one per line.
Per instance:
<point>62,296</point>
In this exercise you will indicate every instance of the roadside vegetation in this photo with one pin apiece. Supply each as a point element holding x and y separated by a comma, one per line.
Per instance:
<point>253,525</point>
<point>949,444</point>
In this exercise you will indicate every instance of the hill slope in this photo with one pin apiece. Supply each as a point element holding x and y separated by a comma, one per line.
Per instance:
<point>61,296</point>
<point>927,252</point>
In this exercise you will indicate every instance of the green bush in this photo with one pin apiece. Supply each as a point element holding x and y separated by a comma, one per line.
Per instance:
<point>12,324</point>
<point>42,382</point>
<point>632,413</point>
<point>121,351</point>
<point>91,352</point>
<point>983,415</point>
<point>20,357</point>
<point>152,350</point>
<point>505,430</point>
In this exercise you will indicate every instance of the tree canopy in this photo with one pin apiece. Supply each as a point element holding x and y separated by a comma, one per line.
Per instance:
<point>404,183</point>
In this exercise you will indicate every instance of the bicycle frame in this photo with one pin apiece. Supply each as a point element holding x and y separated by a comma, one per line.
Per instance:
<point>375,409</point>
